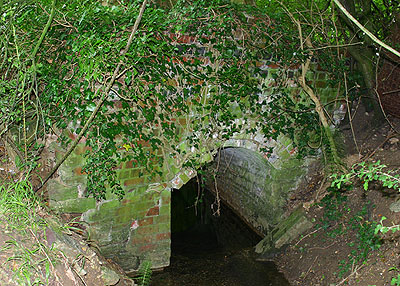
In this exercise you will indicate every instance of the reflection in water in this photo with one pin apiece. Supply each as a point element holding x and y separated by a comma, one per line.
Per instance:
<point>212,251</point>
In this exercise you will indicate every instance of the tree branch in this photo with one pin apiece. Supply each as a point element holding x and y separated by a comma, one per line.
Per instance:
<point>101,101</point>
<point>372,36</point>
<point>44,32</point>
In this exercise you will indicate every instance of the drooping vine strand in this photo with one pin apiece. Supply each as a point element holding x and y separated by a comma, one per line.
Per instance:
<point>100,102</point>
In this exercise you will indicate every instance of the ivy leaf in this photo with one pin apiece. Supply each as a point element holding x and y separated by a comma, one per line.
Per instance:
<point>128,78</point>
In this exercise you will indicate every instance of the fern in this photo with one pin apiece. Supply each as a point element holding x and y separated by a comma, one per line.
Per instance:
<point>144,274</point>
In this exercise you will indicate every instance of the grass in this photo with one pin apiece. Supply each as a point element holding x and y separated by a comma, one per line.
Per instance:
<point>29,259</point>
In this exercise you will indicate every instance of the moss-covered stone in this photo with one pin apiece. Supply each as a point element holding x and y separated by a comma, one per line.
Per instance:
<point>287,230</point>
<point>78,205</point>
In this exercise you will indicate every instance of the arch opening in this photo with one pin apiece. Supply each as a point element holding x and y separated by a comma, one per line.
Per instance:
<point>211,244</point>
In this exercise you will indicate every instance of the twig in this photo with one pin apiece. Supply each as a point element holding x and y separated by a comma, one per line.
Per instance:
<point>389,92</point>
<point>44,32</point>
<point>309,91</point>
<point>372,36</point>
<point>307,235</point>
<point>323,247</point>
<point>377,148</point>
<point>101,101</point>
<point>337,46</point>
<point>309,269</point>
<point>350,118</point>
<point>351,274</point>
<point>378,96</point>
<point>15,148</point>
<point>41,248</point>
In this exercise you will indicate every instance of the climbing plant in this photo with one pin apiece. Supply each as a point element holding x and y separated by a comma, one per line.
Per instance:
<point>202,62</point>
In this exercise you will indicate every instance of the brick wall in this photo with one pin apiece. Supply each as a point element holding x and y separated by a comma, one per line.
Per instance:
<point>137,228</point>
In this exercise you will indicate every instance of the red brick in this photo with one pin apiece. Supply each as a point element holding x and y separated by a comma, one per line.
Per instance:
<point>146,230</point>
<point>153,211</point>
<point>163,236</point>
<point>166,200</point>
<point>146,221</point>
<point>147,247</point>
<point>138,240</point>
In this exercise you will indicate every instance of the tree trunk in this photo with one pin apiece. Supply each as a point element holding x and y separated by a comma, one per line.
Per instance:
<point>364,54</point>
<point>366,67</point>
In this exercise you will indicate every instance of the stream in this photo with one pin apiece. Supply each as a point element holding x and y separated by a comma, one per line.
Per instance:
<point>200,261</point>
<point>213,250</point>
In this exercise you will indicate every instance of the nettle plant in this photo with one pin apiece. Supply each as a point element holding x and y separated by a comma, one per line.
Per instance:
<point>211,79</point>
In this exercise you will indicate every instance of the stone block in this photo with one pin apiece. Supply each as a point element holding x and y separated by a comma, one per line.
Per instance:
<point>285,232</point>
<point>74,160</point>
<point>80,149</point>
<point>109,205</point>
<point>184,178</point>
<point>147,230</point>
<point>153,211</point>
<point>163,236</point>
<point>73,205</point>
<point>145,221</point>
<point>60,192</point>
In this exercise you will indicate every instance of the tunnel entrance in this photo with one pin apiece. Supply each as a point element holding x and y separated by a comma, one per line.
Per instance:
<point>211,245</point>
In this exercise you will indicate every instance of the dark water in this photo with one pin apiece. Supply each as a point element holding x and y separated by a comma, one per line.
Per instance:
<point>210,250</point>
<point>198,260</point>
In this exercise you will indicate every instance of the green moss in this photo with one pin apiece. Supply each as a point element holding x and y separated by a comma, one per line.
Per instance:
<point>74,205</point>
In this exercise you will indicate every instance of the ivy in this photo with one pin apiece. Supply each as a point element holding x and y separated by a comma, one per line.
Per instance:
<point>198,61</point>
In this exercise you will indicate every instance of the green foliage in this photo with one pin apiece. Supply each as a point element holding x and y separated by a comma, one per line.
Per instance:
<point>199,61</point>
<point>366,231</point>
<point>366,174</point>
<point>30,261</point>
<point>384,229</point>
<point>18,204</point>
<point>339,219</point>
<point>395,280</point>
<point>144,274</point>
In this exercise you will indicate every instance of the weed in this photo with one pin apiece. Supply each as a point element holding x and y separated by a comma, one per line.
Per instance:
<point>366,241</point>
<point>28,258</point>
<point>144,274</point>
<point>384,229</point>
<point>333,205</point>
<point>338,220</point>
<point>395,280</point>
<point>367,173</point>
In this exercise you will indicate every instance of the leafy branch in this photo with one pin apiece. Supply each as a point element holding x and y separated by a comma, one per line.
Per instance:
<point>100,102</point>
<point>368,173</point>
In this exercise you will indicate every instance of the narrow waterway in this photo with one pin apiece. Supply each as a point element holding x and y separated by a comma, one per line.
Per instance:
<point>210,250</point>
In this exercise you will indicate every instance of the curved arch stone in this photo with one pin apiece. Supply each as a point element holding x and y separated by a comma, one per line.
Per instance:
<point>253,187</point>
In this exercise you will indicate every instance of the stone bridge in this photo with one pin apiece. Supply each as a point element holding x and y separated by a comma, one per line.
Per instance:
<point>255,184</point>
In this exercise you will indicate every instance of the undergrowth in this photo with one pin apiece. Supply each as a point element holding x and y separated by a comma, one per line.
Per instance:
<point>367,232</point>
<point>339,219</point>
<point>144,274</point>
<point>31,261</point>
